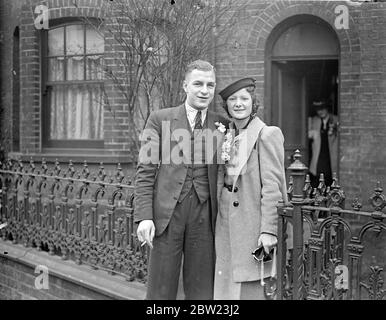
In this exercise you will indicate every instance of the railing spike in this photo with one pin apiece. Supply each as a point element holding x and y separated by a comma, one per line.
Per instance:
<point>335,184</point>
<point>85,170</point>
<point>307,189</point>
<point>44,166</point>
<point>71,170</point>
<point>21,166</point>
<point>9,165</point>
<point>57,168</point>
<point>119,175</point>
<point>32,165</point>
<point>322,186</point>
<point>101,172</point>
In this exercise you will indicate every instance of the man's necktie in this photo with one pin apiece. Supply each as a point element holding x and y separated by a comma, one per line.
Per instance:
<point>197,120</point>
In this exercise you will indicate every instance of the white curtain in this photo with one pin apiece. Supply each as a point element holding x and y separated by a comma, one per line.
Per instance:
<point>76,109</point>
<point>76,112</point>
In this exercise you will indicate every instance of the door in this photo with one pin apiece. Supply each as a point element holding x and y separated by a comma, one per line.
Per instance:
<point>289,108</point>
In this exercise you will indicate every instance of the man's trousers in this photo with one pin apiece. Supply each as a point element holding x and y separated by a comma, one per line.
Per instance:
<point>189,236</point>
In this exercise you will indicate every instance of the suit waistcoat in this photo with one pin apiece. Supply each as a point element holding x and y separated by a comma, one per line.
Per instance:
<point>197,173</point>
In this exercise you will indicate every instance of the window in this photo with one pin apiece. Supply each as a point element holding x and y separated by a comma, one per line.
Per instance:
<point>72,86</point>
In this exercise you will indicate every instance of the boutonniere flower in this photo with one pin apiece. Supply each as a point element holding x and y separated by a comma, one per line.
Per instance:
<point>226,147</point>
<point>220,127</point>
<point>332,128</point>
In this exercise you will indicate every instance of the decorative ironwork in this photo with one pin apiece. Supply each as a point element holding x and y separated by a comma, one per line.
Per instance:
<point>356,204</point>
<point>336,194</point>
<point>307,188</point>
<point>329,264</point>
<point>377,199</point>
<point>83,216</point>
<point>330,289</point>
<point>374,287</point>
<point>319,193</point>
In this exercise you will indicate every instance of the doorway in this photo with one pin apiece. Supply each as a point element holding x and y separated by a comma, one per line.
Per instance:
<point>295,86</point>
<point>302,58</point>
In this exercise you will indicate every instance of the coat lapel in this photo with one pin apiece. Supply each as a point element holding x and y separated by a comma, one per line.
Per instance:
<point>214,137</point>
<point>247,140</point>
<point>180,136</point>
<point>179,120</point>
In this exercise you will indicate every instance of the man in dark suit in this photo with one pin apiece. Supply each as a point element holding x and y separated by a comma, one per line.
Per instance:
<point>176,188</point>
<point>322,132</point>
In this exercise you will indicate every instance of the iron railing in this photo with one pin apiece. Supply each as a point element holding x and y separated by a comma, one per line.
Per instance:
<point>88,218</point>
<point>334,253</point>
<point>83,216</point>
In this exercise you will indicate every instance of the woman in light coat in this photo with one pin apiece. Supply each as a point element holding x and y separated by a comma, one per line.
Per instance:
<point>250,184</point>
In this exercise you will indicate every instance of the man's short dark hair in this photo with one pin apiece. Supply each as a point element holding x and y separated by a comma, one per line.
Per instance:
<point>201,65</point>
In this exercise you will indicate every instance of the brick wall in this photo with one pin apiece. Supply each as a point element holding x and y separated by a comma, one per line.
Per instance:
<point>7,27</point>
<point>17,282</point>
<point>363,115</point>
<point>362,78</point>
<point>66,280</point>
<point>29,80</point>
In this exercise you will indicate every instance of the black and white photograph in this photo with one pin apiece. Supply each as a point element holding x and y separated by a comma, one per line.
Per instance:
<point>214,151</point>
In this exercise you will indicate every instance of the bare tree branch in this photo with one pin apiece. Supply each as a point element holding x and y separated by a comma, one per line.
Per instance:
<point>150,44</point>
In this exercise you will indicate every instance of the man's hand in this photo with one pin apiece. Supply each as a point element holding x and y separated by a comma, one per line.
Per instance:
<point>268,241</point>
<point>146,231</point>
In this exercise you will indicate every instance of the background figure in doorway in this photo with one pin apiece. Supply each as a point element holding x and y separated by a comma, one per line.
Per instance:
<point>322,131</point>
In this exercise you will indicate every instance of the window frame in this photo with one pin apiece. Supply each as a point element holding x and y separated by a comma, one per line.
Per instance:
<point>45,85</point>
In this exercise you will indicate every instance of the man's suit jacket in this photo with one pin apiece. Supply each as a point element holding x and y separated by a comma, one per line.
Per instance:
<point>158,183</point>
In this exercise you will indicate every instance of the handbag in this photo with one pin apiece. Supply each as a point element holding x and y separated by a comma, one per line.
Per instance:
<point>261,256</point>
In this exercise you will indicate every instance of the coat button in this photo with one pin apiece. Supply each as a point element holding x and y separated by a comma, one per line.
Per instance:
<point>236,204</point>
<point>235,189</point>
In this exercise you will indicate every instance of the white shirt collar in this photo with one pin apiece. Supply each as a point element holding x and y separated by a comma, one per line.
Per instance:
<point>191,113</point>
<point>325,121</point>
